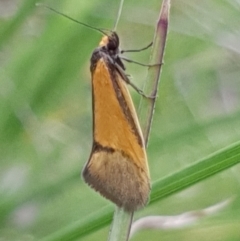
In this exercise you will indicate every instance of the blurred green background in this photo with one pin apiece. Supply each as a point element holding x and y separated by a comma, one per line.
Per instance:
<point>45,111</point>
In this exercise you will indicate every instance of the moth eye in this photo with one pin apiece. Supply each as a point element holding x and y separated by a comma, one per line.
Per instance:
<point>113,42</point>
<point>112,45</point>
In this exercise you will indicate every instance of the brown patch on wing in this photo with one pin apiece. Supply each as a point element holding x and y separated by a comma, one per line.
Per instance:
<point>118,179</point>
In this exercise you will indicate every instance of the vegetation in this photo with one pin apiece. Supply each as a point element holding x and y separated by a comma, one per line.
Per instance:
<point>45,117</point>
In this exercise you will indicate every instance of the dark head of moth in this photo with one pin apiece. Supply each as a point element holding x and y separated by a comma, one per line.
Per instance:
<point>117,167</point>
<point>109,46</point>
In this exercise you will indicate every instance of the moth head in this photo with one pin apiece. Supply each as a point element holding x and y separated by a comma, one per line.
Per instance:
<point>111,42</point>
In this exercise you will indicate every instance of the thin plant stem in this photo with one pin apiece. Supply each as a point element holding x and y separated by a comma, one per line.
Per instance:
<point>121,225</point>
<point>119,14</point>
<point>146,107</point>
<point>122,220</point>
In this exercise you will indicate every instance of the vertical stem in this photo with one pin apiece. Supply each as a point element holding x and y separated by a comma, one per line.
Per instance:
<point>121,225</point>
<point>146,107</point>
<point>119,14</point>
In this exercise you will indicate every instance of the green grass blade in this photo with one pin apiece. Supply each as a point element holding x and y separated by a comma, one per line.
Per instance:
<point>207,167</point>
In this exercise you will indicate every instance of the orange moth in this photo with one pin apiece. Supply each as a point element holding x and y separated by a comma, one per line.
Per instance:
<point>117,167</point>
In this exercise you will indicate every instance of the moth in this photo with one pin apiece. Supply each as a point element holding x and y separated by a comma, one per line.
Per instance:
<point>117,167</point>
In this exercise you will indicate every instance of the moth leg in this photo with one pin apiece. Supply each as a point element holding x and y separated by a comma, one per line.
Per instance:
<point>139,90</point>
<point>128,81</point>
<point>135,62</point>
<point>137,50</point>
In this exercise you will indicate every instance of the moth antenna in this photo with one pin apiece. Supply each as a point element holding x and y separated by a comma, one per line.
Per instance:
<point>101,30</point>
